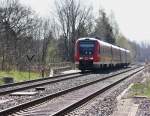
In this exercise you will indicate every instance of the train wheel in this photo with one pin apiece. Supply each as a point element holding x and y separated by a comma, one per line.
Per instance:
<point>82,71</point>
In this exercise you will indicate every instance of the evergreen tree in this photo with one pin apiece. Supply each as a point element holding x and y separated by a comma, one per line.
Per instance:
<point>103,28</point>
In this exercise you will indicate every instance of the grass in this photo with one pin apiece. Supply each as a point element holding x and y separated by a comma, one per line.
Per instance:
<point>18,75</point>
<point>141,89</point>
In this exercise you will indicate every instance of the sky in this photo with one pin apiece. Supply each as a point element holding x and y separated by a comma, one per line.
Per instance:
<point>132,16</point>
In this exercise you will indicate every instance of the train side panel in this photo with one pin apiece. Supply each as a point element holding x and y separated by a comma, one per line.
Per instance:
<point>92,53</point>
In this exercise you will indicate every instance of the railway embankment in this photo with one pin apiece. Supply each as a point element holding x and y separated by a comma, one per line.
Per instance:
<point>117,102</point>
<point>101,92</point>
<point>136,99</point>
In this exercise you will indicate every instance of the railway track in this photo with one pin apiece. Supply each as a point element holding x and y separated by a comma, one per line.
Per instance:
<point>9,88</point>
<point>32,93</point>
<point>74,91</point>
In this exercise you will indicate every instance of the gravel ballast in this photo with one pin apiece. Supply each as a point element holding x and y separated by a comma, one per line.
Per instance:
<point>49,89</point>
<point>144,108</point>
<point>104,105</point>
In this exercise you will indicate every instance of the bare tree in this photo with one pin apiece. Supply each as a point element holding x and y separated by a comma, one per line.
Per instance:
<point>47,37</point>
<point>18,23</point>
<point>72,19</point>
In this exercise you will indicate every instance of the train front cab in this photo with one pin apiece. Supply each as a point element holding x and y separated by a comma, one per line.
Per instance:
<point>85,65</point>
<point>87,54</point>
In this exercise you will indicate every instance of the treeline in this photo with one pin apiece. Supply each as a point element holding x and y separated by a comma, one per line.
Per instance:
<point>24,34</point>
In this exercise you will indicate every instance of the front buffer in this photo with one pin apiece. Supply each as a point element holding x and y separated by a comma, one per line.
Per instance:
<point>86,64</point>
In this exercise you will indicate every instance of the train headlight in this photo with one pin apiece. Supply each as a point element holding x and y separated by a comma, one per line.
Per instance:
<point>91,58</point>
<point>81,58</point>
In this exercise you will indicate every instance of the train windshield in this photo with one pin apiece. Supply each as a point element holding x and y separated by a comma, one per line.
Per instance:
<point>87,48</point>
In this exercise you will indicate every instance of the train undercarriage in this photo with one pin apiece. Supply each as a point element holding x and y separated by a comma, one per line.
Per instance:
<point>90,65</point>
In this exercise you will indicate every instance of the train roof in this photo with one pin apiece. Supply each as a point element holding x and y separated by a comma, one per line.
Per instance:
<point>89,38</point>
<point>128,51</point>
<point>103,43</point>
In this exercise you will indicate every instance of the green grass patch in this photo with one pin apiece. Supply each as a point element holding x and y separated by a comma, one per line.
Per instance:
<point>18,75</point>
<point>141,89</point>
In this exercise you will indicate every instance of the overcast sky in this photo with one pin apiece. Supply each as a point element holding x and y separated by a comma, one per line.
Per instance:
<point>132,16</point>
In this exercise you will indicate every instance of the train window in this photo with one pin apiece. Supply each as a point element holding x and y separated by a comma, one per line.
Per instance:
<point>86,47</point>
<point>109,51</point>
<point>99,50</point>
<point>104,50</point>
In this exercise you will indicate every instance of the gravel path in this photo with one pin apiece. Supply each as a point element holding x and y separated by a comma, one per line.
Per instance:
<point>144,108</point>
<point>144,105</point>
<point>104,105</point>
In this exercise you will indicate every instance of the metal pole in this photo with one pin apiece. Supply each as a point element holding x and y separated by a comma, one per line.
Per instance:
<point>29,71</point>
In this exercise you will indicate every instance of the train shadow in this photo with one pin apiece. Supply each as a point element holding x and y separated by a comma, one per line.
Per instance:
<point>105,70</point>
<point>108,70</point>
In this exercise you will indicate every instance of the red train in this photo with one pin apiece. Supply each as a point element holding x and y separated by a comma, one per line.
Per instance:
<point>91,53</point>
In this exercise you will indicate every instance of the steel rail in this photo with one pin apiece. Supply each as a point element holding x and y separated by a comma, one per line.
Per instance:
<point>35,83</point>
<point>51,96</point>
<point>88,98</point>
<point>36,80</point>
